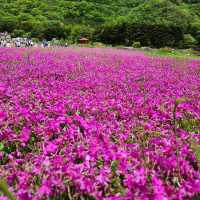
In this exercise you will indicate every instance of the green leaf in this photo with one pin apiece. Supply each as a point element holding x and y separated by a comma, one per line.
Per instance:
<point>1,146</point>
<point>78,112</point>
<point>5,190</point>
<point>114,165</point>
<point>181,100</point>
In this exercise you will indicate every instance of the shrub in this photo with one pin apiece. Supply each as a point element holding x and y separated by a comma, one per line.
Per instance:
<point>154,35</point>
<point>136,44</point>
<point>98,44</point>
<point>189,41</point>
<point>17,33</point>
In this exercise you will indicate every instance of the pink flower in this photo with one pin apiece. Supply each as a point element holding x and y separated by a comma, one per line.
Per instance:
<point>44,190</point>
<point>87,108</point>
<point>1,155</point>
<point>139,176</point>
<point>2,88</point>
<point>2,116</point>
<point>159,190</point>
<point>50,148</point>
<point>25,135</point>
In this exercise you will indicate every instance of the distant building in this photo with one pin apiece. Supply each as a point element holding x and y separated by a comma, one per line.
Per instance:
<point>83,41</point>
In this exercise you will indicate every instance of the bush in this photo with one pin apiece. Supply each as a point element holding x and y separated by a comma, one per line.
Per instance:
<point>17,33</point>
<point>197,37</point>
<point>153,35</point>
<point>36,40</point>
<point>136,44</point>
<point>189,41</point>
<point>27,35</point>
<point>98,44</point>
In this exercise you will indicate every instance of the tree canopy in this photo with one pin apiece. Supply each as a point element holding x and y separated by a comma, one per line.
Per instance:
<point>126,19</point>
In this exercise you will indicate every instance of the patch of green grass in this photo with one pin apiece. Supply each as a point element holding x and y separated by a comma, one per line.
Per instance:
<point>191,125</point>
<point>176,53</point>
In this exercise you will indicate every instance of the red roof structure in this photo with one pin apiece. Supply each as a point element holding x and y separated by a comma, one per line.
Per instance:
<point>83,40</point>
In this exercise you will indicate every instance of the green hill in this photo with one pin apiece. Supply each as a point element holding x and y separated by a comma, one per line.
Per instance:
<point>92,18</point>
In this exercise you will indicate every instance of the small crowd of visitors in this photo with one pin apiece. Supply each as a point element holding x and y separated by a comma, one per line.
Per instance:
<point>7,41</point>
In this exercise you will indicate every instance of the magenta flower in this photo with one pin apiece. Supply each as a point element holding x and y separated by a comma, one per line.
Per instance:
<point>25,135</point>
<point>2,88</point>
<point>98,123</point>
<point>2,116</point>
<point>50,148</point>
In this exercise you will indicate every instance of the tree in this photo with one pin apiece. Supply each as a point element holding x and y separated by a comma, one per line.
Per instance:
<point>120,21</point>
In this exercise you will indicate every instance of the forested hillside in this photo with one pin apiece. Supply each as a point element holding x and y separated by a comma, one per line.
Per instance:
<point>176,22</point>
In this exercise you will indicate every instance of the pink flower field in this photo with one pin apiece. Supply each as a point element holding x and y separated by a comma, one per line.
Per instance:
<point>104,124</point>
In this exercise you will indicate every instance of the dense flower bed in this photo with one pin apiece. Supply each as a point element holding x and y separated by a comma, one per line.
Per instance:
<point>98,124</point>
